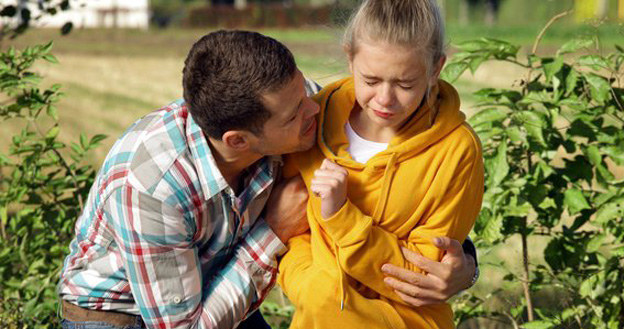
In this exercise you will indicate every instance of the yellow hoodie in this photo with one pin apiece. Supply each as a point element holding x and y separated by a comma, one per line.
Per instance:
<point>428,183</point>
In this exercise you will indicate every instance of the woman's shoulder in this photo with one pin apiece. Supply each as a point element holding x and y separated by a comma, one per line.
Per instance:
<point>464,141</point>
<point>342,85</point>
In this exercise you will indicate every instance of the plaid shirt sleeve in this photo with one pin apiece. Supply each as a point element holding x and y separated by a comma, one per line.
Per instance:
<point>162,266</point>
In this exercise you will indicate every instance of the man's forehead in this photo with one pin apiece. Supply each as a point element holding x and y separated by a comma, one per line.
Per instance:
<point>281,100</point>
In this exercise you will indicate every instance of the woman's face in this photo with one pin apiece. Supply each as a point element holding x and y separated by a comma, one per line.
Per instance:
<point>390,82</point>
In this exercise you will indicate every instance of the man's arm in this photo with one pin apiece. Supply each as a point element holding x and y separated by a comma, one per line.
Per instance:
<point>156,244</point>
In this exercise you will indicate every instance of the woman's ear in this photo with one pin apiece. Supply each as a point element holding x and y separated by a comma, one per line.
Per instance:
<point>437,69</point>
<point>236,139</point>
<point>349,53</point>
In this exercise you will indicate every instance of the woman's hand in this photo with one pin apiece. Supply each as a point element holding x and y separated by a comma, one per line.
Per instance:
<point>330,184</point>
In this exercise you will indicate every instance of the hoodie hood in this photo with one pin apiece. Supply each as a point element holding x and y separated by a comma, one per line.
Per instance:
<point>429,124</point>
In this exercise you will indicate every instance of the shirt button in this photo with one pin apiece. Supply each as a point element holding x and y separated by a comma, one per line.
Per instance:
<point>177,299</point>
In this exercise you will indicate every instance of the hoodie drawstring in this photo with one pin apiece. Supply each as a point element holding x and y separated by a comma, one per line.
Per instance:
<point>343,296</point>
<point>385,189</point>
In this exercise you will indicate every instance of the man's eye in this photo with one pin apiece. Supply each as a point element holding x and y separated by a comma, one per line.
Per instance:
<point>406,87</point>
<point>370,82</point>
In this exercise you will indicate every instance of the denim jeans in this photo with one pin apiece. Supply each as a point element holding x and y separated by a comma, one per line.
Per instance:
<point>254,321</point>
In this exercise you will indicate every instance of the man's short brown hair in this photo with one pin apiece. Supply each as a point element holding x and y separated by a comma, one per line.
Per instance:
<point>225,75</point>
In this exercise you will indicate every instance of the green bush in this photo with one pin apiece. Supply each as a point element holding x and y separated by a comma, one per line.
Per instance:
<point>42,189</point>
<point>552,148</point>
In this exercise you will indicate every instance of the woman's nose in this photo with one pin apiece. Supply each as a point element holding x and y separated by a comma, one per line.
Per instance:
<point>384,96</point>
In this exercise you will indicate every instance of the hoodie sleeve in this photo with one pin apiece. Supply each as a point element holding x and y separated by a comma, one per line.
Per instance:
<point>364,248</point>
<point>295,266</point>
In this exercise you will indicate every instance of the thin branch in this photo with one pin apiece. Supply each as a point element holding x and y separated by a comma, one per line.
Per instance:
<point>543,31</point>
<point>513,321</point>
<point>539,38</point>
<point>517,63</point>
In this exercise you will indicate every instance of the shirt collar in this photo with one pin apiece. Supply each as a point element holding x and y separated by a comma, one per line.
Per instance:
<point>210,177</point>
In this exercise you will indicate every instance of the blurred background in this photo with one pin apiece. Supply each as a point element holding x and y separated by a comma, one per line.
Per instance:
<point>124,58</point>
<point>121,59</point>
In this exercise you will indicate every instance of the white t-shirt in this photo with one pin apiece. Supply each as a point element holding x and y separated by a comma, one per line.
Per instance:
<point>362,150</point>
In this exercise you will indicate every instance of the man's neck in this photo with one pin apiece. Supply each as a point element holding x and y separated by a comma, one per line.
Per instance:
<point>231,163</point>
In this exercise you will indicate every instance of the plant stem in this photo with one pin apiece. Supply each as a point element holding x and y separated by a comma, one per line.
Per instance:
<point>513,321</point>
<point>526,282</point>
<point>539,38</point>
<point>525,252</point>
<point>543,31</point>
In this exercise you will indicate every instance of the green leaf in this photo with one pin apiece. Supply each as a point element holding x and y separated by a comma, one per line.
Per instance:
<point>593,154</point>
<point>543,170</point>
<point>488,115</point>
<point>538,324</point>
<point>50,58</point>
<point>609,211</point>
<point>571,81</point>
<point>615,153</point>
<point>574,45</point>
<point>491,227</point>
<point>47,47</point>
<point>52,111</point>
<point>575,201</point>
<point>53,132</point>
<point>476,62</point>
<point>593,61</point>
<point>595,243</point>
<point>84,142</point>
<point>471,45</point>
<point>453,71</point>
<point>533,124</point>
<point>498,168</point>
<point>97,138</point>
<point>515,135</point>
<point>599,87</point>
<point>552,67</point>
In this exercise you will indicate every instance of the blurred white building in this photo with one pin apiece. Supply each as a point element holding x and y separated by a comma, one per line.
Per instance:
<point>94,14</point>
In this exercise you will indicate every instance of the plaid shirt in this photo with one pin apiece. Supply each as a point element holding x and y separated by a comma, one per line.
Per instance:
<point>164,236</point>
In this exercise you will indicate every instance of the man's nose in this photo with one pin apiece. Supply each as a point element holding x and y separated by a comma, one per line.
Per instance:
<point>312,107</point>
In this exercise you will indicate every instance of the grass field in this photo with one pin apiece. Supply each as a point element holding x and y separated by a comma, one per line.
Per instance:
<point>113,77</point>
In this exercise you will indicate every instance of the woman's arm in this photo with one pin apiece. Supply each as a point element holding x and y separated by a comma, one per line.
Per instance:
<point>364,248</point>
<point>294,266</point>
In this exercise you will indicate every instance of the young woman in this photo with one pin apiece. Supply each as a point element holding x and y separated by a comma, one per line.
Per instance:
<point>396,165</point>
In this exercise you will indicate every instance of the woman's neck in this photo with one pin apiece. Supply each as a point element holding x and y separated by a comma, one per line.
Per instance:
<point>367,129</point>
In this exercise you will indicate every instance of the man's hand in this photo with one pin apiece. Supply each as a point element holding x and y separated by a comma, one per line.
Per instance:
<point>443,280</point>
<point>330,184</point>
<point>286,208</point>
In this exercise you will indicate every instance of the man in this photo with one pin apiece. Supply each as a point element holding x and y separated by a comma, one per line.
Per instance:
<point>173,234</point>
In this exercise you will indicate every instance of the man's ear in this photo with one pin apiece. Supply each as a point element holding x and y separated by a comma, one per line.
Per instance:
<point>236,139</point>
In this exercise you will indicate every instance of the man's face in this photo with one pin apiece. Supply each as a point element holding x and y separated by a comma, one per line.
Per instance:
<point>292,126</point>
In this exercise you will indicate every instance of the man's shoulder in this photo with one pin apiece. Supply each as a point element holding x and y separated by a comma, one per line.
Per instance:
<point>148,148</point>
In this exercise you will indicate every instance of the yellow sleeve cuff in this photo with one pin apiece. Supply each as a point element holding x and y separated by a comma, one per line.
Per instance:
<point>347,226</point>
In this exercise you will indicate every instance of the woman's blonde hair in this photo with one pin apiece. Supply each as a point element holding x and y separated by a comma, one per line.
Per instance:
<point>409,23</point>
